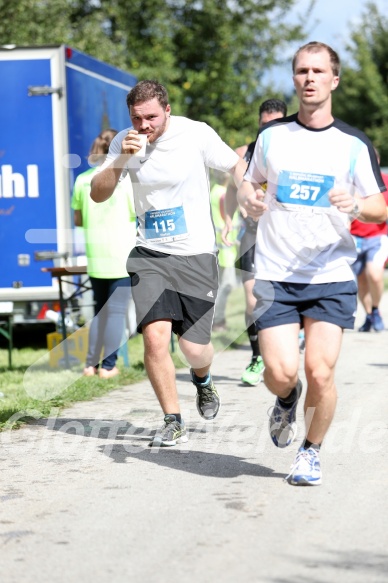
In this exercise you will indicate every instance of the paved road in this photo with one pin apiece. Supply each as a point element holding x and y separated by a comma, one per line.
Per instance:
<point>84,498</point>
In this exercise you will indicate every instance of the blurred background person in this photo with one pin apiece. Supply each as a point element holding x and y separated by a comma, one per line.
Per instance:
<point>269,110</point>
<point>109,230</point>
<point>227,254</point>
<point>372,252</point>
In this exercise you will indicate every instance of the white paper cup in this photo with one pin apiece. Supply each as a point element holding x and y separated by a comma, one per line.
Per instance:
<point>143,141</point>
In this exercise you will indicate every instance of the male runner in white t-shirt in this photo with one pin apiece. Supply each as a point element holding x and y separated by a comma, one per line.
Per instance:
<point>173,268</point>
<point>319,172</point>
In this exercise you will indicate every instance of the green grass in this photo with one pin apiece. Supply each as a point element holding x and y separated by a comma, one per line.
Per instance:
<point>32,388</point>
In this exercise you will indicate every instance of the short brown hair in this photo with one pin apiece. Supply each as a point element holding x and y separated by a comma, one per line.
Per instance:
<point>147,90</point>
<point>316,47</point>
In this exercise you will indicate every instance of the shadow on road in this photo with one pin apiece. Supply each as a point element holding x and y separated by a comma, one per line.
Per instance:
<point>373,566</point>
<point>184,458</point>
<point>203,463</point>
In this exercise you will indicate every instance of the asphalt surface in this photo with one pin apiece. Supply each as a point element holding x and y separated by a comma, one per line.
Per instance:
<point>84,498</point>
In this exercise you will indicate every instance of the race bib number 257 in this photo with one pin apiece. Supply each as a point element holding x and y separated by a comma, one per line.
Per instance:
<point>302,188</point>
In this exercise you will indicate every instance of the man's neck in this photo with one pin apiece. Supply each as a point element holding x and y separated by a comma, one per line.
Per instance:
<point>315,118</point>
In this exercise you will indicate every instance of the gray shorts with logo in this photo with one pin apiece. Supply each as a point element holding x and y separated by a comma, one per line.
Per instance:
<point>180,288</point>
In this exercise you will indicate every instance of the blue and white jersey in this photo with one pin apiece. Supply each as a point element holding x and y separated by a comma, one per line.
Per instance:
<point>301,238</point>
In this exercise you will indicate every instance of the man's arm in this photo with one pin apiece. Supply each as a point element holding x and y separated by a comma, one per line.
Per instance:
<point>104,182</point>
<point>371,209</point>
<point>230,202</point>
<point>250,197</point>
<point>230,206</point>
<point>238,171</point>
<point>78,218</point>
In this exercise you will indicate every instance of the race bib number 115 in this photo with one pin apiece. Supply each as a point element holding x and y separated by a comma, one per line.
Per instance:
<point>302,188</point>
<point>165,225</point>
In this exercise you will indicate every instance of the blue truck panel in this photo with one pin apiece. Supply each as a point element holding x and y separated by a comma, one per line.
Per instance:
<point>38,133</point>
<point>27,168</point>
<point>96,94</point>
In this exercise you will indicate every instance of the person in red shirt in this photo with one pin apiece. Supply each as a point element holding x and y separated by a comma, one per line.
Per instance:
<point>372,253</point>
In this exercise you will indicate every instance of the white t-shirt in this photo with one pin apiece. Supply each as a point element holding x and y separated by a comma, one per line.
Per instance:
<point>171,186</point>
<point>301,238</point>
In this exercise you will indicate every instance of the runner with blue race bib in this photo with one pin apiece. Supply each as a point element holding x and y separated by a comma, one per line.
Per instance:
<point>319,174</point>
<point>173,267</point>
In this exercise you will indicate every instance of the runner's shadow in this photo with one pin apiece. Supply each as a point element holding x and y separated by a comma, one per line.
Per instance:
<point>334,561</point>
<point>95,428</point>
<point>382,365</point>
<point>202,463</point>
<point>135,447</point>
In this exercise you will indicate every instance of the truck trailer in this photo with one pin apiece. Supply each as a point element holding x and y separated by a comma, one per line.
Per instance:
<point>54,101</point>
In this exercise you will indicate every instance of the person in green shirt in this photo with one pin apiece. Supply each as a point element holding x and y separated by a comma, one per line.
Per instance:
<point>227,254</point>
<point>109,231</point>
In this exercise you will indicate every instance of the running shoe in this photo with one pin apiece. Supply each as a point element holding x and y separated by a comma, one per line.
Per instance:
<point>282,421</point>
<point>253,374</point>
<point>367,325</point>
<point>377,321</point>
<point>208,400</point>
<point>306,470</point>
<point>170,434</point>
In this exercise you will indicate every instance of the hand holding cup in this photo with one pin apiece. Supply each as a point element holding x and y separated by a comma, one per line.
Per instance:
<point>134,144</point>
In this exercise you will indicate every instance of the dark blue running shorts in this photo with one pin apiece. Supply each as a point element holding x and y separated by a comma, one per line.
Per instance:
<point>281,303</point>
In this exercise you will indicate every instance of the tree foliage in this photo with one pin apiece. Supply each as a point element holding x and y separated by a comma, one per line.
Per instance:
<point>362,96</point>
<point>212,55</point>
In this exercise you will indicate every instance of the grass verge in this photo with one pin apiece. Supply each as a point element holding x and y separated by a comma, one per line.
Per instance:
<point>31,388</point>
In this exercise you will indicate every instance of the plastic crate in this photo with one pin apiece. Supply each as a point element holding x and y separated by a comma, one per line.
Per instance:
<point>77,347</point>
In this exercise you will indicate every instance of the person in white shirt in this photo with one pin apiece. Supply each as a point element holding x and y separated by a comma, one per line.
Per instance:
<point>319,173</point>
<point>173,267</point>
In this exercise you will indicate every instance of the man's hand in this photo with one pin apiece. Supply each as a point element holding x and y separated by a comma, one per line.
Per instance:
<point>254,205</point>
<point>228,228</point>
<point>131,143</point>
<point>345,202</point>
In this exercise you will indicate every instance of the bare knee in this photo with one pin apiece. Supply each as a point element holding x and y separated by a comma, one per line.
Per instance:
<point>280,379</point>
<point>156,340</point>
<point>198,355</point>
<point>320,379</point>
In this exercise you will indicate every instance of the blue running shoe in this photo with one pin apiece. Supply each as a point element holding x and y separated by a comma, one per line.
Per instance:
<point>306,470</point>
<point>367,325</point>
<point>377,321</point>
<point>282,424</point>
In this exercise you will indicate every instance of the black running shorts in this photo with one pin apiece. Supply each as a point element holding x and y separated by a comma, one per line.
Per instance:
<point>180,288</point>
<point>246,262</point>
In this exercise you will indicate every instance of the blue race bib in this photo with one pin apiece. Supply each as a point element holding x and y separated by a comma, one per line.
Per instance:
<point>165,225</point>
<point>302,188</point>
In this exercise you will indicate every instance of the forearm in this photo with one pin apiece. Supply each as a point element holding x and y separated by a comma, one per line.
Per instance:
<point>78,218</point>
<point>246,189</point>
<point>104,182</point>
<point>230,203</point>
<point>238,172</point>
<point>371,209</point>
